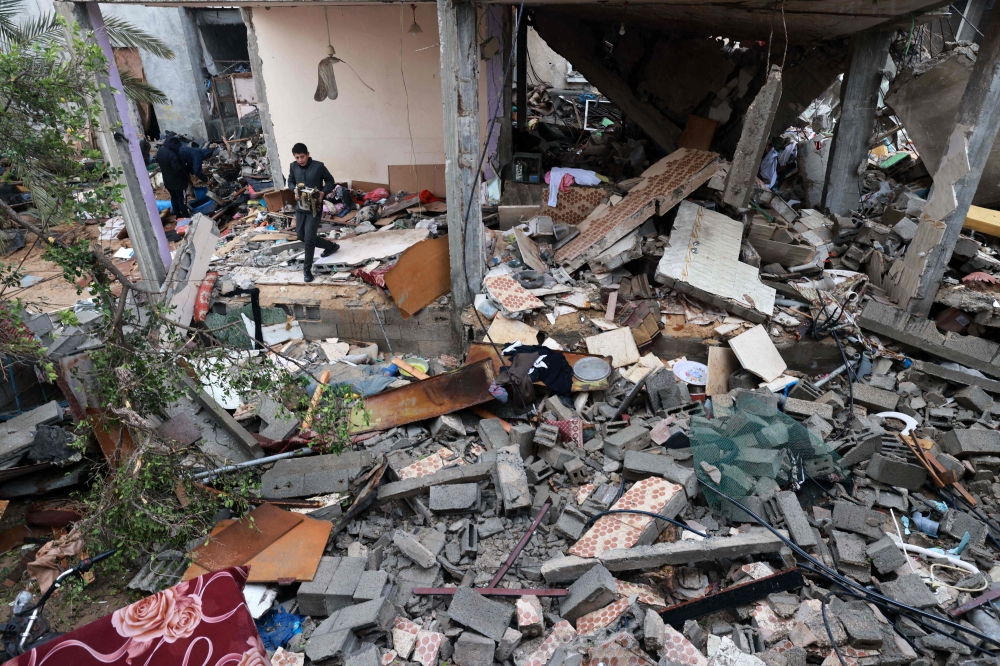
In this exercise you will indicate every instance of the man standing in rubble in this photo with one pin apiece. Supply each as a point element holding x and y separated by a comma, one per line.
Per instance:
<point>312,175</point>
<point>176,176</point>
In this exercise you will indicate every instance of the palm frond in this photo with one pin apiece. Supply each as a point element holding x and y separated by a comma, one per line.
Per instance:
<point>138,90</point>
<point>44,28</point>
<point>9,10</point>
<point>124,34</point>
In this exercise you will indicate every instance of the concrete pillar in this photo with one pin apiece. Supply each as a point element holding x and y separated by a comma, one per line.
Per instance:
<point>973,19</point>
<point>859,98</point>
<point>505,150</point>
<point>457,22</point>
<point>267,126</point>
<point>976,124</point>
<point>120,145</point>
<point>742,176</point>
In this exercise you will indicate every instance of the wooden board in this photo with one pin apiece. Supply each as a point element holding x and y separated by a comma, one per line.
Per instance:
<point>698,133</point>
<point>295,556</point>
<point>416,178</point>
<point>368,187</point>
<point>758,354</point>
<point>421,276</point>
<point>721,363</point>
<point>241,541</point>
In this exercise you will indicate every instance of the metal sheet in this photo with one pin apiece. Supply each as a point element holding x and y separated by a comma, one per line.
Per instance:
<point>737,595</point>
<point>238,543</point>
<point>463,388</point>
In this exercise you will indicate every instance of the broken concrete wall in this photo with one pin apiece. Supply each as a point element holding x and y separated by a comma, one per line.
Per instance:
<point>926,99</point>
<point>659,81</point>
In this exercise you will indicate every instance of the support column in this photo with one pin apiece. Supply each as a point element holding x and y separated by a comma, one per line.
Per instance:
<point>521,63</point>
<point>859,98</point>
<point>976,123</point>
<point>120,145</point>
<point>973,19</point>
<point>457,22</point>
<point>266,125</point>
<point>505,150</point>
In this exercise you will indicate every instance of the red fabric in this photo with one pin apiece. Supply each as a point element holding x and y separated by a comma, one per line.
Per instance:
<point>426,197</point>
<point>571,430</point>
<point>201,622</point>
<point>375,277</point>
<point>375,195</point>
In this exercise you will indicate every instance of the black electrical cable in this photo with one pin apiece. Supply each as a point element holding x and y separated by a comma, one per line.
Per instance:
<point>847,582</point>
<point>643,513</point>
<point>829,632</point>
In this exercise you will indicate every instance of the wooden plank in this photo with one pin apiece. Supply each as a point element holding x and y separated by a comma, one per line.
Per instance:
<point>722,362</point>
<point>983,220</point>
<point>698,133</point>
<point>417,177</point>
<point>241,541</point>
<point>421,276</point>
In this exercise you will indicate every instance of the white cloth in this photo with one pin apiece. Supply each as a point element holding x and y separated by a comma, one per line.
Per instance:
<point>789,154</point>
<point>581,176</point>
<point>769,168</point>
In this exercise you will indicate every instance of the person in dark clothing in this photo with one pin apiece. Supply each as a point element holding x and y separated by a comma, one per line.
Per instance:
<point>314,175</point>
<point>193,156</point>
<point>176,176</point>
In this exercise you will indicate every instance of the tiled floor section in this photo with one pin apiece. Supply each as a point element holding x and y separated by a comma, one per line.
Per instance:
<point>678,649</point>
<point>772,628</point>
<point>562,632</point>
<point>583,492</point>
<point>512,296</point>
<point>529,615</point>
<point>601,618</point>
<point>646,594</point>
<point>574,206</point>
<point>404,636</point>
<point>428,645</point>
<point>432,463</point>
<point>622,650</point>
<point>623,530</point>
<point>676,176</point>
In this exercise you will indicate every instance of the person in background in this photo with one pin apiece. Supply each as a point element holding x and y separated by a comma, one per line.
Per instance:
<point>193,156</point>
<point>314,175</point>
<point>176,176</point>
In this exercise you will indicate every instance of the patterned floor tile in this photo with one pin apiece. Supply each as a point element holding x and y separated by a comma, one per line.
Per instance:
<point>772,628</point>
<point>584,491</point>
<point>622,650</point>
<point>404,636</point>
<point>422,467</point>
<point>574,206</point>
<point>530,620</point>
<point>428,646</point>
<point>283,658</point>
<point>677,648</point>
<point>512,296</point>
<point>601,618</point>
<point>647,595</point>
<point>562,632</point>
<point>623,530</point>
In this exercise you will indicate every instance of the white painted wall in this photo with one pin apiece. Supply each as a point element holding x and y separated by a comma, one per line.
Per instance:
<point>362,132</point>
<point>179,78</point>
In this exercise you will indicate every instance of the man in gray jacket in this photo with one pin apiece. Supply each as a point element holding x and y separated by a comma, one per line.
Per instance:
<point>314,175</point>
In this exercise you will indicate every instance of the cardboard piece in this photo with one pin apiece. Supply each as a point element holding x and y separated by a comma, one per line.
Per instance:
<point>721,363</point>
<point>504,331</point>
<point>618,344</point>
<point>421,276</point>
<point>416,178</point>
<point>358,250</point>
<point>366,187</point>
<point>758,354</point>
<point>529,252</point>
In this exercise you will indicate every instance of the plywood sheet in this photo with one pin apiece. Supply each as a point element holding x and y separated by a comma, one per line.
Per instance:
<point>529,252</point>
<point>504,331</point>
<point>758,354</point>
<point>618,344</point>
<point>294,556</point>
<point>416,178</point>
<point>421,276</point>
<point>704,251</point>
<point>242,540</point>
<point>698,133</point>
<point>663,186</point>
<point>358,250</point>
<point>721,363</point>
<point>367,186</point>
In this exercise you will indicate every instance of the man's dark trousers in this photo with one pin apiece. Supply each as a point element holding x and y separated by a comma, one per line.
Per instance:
<point>178,203</point>
<point>307,231</point>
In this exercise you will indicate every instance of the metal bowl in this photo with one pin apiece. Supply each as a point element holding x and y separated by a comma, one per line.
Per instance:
<point>591,369</point>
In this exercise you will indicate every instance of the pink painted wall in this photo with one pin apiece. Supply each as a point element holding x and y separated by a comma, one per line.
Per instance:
<point>361,133</point>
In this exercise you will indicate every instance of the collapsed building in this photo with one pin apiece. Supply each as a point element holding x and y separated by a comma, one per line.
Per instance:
<point>732,403</point>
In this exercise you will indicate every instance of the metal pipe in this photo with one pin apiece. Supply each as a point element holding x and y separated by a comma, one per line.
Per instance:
<point>254,463</point>
<point>821,382</point>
